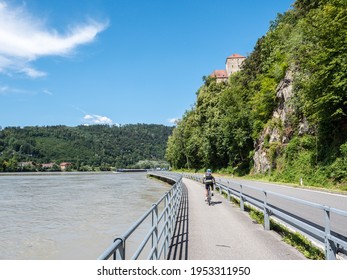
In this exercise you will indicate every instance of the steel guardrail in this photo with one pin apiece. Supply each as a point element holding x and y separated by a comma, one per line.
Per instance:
<point>332,242</point>
<point>163,216</point>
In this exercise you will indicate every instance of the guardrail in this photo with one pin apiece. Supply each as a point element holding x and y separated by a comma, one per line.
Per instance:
<point>162,217</point>
<point>332,241</point>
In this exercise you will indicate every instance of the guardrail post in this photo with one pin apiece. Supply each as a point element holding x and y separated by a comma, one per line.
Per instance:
<point>266,213</point>
<point>155,232</point>
<point>330,246</point>
<point>242,201</point>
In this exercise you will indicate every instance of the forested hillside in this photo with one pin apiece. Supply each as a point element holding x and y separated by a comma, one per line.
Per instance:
<point>96,147</point>
<point>284,115</point>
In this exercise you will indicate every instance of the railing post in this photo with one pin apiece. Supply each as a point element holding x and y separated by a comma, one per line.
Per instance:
<point>242,202</point>
<point>170,213</point>
<point>155,233</point>
<point>121,250</point>
<point>330,246</point>
<point>266,213</point>
<point>166,225</point>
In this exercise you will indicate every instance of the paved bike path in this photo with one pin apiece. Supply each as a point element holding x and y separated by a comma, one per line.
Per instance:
<point>222,231</point>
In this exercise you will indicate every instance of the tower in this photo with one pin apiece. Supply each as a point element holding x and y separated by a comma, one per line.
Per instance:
<point>233,63</point>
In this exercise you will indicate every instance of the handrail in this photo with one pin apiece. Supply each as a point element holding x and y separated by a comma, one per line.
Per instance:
<point>162,225</point>
<point>332,242</point>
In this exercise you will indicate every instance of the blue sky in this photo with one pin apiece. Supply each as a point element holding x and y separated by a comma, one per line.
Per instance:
<point>118,61</point>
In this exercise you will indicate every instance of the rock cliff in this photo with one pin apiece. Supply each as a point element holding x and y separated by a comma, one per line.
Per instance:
<point>280,129</point>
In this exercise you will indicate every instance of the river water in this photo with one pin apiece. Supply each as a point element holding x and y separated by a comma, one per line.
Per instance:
<point>67,216</point>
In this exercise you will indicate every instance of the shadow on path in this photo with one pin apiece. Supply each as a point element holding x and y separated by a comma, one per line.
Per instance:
<point>215,202</point>
<point>179,243</point>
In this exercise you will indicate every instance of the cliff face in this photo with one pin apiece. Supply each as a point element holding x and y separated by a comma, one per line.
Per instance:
<point>280,129</point>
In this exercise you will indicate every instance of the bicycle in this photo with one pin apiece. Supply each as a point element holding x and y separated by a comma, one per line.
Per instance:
<point>209,196</point>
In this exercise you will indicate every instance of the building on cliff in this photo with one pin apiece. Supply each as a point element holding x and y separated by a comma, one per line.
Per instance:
<point>233,64</point>
<point>220,75</point>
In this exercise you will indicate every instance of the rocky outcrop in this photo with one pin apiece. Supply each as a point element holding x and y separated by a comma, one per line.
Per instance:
<point>280,129</point>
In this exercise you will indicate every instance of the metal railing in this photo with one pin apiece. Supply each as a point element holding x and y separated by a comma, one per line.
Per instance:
<point>333,243</point>
<point>162,216</point>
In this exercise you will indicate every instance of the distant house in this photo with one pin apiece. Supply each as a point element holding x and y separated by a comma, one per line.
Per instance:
<point>47,165</point>
<point>65,165</point>
<point>233,64</point>
<point>24,164</point>
<point>220,75</point>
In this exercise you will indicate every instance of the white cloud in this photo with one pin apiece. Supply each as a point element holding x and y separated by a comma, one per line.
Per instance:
<point>24,39</point>
<point>31,72</point>
<point>6,90</point>
<point>3,89</point>
<point>47,92</point>
<point>173,120</point>
<point>96,119</point>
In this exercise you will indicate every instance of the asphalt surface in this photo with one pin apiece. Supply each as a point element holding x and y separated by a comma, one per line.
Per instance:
<point>222,231</point>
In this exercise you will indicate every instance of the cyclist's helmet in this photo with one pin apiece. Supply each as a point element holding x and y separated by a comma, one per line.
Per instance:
<point>209,170</point>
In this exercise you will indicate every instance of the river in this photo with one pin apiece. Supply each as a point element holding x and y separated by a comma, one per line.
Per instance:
<point>70,216</point>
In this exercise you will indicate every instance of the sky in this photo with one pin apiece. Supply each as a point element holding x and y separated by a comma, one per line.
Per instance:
<point>118,62</point>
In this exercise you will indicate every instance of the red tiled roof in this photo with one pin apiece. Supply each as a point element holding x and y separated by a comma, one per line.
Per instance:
<point>219,74</point>
<point>47,165</point>
<point>235,55</point>
<point>65,163</point>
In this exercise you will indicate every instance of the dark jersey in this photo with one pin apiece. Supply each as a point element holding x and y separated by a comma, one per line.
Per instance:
<point>208,178</point>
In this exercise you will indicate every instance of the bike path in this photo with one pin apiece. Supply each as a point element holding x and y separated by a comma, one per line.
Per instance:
<point>222,231</point>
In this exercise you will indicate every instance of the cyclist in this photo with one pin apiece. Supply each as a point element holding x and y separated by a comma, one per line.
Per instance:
<point>208,181</point>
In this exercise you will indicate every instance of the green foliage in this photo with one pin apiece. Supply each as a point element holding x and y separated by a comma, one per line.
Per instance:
<point>300,242</point>
<point>263,101</point>
<point>338,170</point>
<point>323,59</point>
<point>99,147</point>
